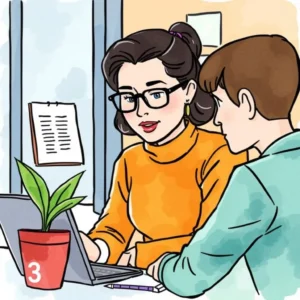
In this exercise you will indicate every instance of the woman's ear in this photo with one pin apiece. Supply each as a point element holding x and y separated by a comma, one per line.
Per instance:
<point>247,103</point>
<point>190,90</point>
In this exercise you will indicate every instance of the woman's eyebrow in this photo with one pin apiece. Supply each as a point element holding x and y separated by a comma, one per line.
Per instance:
<point>125,87</point>
<point>150,83</point>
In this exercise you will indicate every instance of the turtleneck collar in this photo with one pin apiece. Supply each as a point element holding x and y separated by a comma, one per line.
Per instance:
<point>175,149</point>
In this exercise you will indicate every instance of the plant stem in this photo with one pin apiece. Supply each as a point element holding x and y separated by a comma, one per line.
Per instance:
<point>44,227</point>
<point>47,227</point>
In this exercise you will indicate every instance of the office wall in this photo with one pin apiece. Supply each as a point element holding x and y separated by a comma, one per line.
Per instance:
<point>57,66</point>
<point>4,97</point>
<point>240,18</point>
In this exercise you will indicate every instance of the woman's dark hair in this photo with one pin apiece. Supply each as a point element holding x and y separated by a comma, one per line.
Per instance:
<point>179,49</point>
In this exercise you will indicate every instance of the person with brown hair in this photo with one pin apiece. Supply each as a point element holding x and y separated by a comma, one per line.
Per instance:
<point>166,186</point>
<point>255,82</point>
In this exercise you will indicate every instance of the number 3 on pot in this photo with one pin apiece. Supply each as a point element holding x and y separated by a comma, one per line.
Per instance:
<point>35,270</point>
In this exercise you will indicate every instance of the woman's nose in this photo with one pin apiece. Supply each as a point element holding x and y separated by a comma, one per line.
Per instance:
<point>142,108</point>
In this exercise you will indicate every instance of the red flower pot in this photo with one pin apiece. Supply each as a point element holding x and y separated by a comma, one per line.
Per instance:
<point>45,257</point>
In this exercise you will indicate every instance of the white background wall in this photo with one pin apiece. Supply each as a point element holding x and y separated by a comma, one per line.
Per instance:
<point>57,66</point>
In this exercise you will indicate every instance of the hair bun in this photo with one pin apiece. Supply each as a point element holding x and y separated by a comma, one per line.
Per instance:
<point>189,35</point>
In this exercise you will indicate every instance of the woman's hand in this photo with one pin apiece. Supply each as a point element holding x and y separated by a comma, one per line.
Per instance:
<point>91,248</point>
<point>128,258</point>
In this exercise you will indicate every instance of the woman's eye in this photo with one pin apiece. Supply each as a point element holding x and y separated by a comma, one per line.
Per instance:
<point>129,98</point>
<point>156,95</point>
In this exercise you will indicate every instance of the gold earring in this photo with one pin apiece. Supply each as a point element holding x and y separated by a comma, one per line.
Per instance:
<point>187,109</point>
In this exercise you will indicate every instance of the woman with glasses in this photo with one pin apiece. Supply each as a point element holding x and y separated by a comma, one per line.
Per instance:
<point>167,186</point>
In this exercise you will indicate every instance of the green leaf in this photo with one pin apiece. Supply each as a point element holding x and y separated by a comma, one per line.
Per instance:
<point>65,205</point>
<point>65,191</point>
<point>36,188</point>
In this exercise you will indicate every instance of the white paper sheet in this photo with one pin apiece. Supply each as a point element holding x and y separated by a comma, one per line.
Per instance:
<point>57,134</point>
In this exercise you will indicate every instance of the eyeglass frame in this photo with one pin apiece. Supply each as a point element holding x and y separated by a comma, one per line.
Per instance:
<point>168,91</point>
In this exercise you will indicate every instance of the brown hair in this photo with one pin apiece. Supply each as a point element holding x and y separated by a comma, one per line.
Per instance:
<point>266,65</point>
<point>179,54</point>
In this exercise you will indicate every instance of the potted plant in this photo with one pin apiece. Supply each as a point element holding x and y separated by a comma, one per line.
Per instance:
<point>45,251</point>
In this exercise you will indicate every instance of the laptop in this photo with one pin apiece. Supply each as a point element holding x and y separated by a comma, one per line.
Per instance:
<point>18,211</point>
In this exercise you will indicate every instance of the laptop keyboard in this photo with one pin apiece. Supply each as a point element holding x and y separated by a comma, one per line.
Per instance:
<point>100,271</point>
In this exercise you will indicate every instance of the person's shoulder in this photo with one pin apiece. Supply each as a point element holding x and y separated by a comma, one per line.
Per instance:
<point>214,138</point>
<point>129,155</point>
<point>262,164</point>
<point>131,151</point>
<point>210,141</point>
<point>242,174</point>
<point>251,171</point>
<point>250,187</point>
<point>214,142</point>
<point>265,167</point>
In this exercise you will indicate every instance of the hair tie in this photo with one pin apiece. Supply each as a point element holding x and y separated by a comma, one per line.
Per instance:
<point>176,34</point>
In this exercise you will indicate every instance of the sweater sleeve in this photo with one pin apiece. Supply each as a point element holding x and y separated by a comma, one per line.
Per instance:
<point>216,174</point>
<point>114,227</point>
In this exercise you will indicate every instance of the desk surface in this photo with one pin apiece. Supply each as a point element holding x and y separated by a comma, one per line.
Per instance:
<point>13,284</point>
<point>13,287</point>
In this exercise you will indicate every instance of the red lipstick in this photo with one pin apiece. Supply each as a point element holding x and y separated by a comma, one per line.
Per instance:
<point>149,126</point>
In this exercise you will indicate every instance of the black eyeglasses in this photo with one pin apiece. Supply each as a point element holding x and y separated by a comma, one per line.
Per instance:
<point>153,98</point>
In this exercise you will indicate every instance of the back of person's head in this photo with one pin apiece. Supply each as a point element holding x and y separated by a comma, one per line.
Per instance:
<point>266,65</point>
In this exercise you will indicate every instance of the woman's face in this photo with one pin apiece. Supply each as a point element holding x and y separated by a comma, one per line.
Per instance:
<point>150,78</point>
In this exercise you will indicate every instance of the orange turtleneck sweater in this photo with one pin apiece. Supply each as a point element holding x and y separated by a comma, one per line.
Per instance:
<point>165,192</point>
